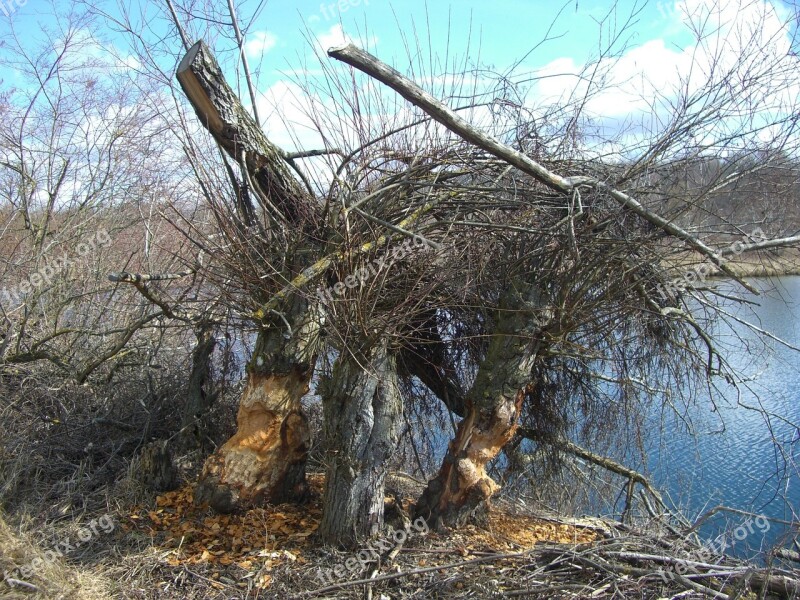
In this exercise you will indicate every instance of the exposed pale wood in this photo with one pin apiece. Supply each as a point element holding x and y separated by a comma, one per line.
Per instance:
<point>265,460</point>
<point>23,584</point>
<point>494,402</point>
<point>141,277</point>
<point>787,554</point>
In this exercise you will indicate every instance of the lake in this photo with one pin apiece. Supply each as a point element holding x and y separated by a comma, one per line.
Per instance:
<point>744,454</point>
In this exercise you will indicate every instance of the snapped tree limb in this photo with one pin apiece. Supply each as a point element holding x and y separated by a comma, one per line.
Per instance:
<point>372,66</point>
<point>222,114</point>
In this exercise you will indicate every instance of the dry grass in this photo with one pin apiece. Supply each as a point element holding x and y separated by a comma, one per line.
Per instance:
<point>167,548</point>
<point>768,264</point>
<point>52,576</point>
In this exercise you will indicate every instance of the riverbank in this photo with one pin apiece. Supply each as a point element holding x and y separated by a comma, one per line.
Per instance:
<point>170,548</point>
<point>768,263</point>
<point>779,263</point>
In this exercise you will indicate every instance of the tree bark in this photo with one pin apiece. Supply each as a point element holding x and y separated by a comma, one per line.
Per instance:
<point>363,415</point>
<point>156,469</point>
<point>460,490</point>
<point>200,397</point>
<point>265,461</point>
<point>220,111</point>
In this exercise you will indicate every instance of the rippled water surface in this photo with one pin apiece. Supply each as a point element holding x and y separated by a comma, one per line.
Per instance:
<point>746,445</point>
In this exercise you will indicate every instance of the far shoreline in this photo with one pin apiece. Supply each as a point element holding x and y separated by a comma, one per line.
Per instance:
<point>764,264</point>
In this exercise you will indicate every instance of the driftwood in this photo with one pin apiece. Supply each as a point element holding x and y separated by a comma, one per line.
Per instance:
<point>786,554</point>
<point>619,567</point>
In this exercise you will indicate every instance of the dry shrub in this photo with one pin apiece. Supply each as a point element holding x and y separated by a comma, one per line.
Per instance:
<point>66,447</point>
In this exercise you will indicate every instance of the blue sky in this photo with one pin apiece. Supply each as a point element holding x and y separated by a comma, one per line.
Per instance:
<point>655,48</point>
<point>498,32</point>
<point>655,45</point>
<point>502,30</point>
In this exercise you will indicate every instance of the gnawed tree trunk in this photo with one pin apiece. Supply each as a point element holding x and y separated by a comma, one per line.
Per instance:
<point>462,486</point>
<point>265,461</point>
<point>363,413</point>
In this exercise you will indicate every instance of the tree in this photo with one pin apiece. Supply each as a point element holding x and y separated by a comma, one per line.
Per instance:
<point>78,200</point>
<point>551,258</point>
<point>265,460</point>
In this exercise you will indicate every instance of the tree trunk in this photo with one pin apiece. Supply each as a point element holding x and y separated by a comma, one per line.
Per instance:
<point>156,469</point>
<point>363,414</point>
<point>460,490</point>
<point>222,114</point>
<point>200,396</point>
<point>265,460</point>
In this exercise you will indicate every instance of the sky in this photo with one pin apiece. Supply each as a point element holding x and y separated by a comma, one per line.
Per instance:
<point>503,30</point>
<point>654,43</point>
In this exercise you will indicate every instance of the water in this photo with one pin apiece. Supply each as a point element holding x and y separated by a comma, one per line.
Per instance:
<point>746,453</point>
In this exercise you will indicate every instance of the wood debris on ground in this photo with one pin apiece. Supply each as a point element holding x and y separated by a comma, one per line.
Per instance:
<point>261,539</point>
<point>270,552</point>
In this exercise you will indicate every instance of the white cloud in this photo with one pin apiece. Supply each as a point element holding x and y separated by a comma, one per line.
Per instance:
<point>284,109</point>
<point>131,62</point>
<point>741,52</point>
<point>83,50</point>
<point>616,87</point>
<point>336,36</point>
<point>286,113</point>
<point>259,43</point>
